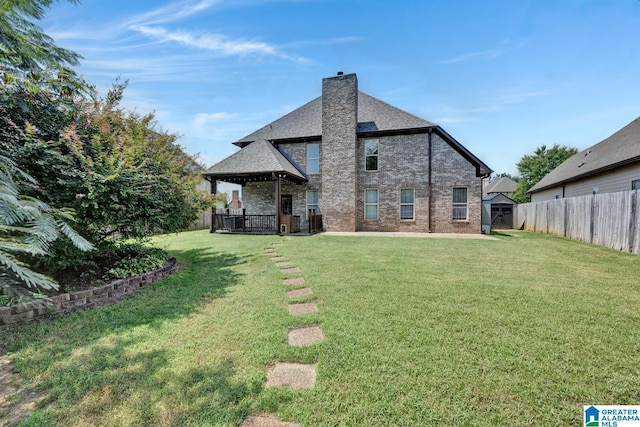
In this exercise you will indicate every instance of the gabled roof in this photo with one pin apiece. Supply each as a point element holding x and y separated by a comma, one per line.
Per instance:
<point>498,197</point>
<point>258,161</point>
<point>621,148</point>
<point>306,122</point>
<point>501,185</point>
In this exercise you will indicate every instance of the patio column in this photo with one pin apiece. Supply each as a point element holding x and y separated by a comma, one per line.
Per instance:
<point>214,190</point>
<point>278,204</point>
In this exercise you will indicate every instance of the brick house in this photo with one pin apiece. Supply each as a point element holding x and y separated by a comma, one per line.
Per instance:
<point>364,165</point>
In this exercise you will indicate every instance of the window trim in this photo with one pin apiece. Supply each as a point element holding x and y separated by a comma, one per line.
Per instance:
<point>312,158</point>
<point>376,204</point>
<point>317,204</point>
<point>455,205</point>
<point>377,155</point>
<point>412,204</point>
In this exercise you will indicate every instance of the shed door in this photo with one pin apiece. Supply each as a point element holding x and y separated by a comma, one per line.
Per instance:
<point>501,216</point>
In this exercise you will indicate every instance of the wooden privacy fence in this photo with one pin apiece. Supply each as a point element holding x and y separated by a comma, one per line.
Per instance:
<point>608,219</point>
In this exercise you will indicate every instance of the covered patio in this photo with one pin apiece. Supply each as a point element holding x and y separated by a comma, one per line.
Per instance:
<point>261,163</point>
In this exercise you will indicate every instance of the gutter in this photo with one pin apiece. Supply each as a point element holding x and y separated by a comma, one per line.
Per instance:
<point>429,184</point>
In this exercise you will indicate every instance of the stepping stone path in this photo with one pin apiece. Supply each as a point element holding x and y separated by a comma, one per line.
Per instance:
<point>293,281</point>
<point>294,375</point>
<point>300,293</point>
<point>283,263</point>
<point>266,421</point>
<point>304,308</point>
<point>305,336</point>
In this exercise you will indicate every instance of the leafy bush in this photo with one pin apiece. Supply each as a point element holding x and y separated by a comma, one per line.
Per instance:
<point>147,260</point>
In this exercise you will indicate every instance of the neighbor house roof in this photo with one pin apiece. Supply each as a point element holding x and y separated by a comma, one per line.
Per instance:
<point>501,185</point>
<point>621,148</point>
<point>257,161</point>
<point>306,122</point>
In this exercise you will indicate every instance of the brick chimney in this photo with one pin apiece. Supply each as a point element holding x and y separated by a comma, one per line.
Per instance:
<point>338,164</point>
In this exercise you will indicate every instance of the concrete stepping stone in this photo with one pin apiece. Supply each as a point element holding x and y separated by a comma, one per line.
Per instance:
<point>293,281</point>
<point>294,375</point>
<point>305,308</point>
<point>284,263</point>
<point>277,258</point>
<point>266,421</point>
<point>307,335</point>
<point>300,293</point>
<point>291,270</point>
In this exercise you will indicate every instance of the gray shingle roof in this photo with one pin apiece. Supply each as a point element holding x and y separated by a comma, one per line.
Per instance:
<point>258,159</point>
<point>501,185</point>
<point>621,148</point>
<point>306,121</point>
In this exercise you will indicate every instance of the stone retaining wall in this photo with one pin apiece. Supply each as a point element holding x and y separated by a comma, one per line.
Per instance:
<point>84,299</point>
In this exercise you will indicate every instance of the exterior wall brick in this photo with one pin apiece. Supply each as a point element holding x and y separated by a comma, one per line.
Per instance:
<point>403,163</point>
<point>339,120</point>
<point>451,169</point>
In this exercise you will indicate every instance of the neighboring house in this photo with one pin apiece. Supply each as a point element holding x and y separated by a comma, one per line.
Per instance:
<point>611,165</point>
<point>361,163</point>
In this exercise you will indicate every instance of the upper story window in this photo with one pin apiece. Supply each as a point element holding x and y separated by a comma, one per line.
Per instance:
<point>635,184</point>
<point>460,204</point>
<point>371,154</point>
<point>313,158</point>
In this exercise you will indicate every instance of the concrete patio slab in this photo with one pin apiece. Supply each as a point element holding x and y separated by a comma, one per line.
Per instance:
<point>300,293</point>
<point>294,375</point>
<point>305,308</point>
<point>308,335</point>
<point>293,281</point>
<point>408,234</point>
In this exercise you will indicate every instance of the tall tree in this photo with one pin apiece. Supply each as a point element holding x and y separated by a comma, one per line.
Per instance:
<point>534,167</point>
<point>26,52</point>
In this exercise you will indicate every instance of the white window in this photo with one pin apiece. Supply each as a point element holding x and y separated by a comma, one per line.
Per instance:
<point>407,203</point>
<point>371,205</point>
<point>313,158</point>
<point>312,201</point>
<point>371,155</point>
<point>460,207</point>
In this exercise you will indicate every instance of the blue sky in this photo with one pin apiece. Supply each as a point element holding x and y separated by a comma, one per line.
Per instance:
<point>502,77</point>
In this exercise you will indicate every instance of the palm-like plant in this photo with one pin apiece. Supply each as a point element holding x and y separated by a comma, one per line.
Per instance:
<point>27,227</point>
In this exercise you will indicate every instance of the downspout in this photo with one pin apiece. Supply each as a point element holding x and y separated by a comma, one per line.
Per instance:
<point>429,196</point>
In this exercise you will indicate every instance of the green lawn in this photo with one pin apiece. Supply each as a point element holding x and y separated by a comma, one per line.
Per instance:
<point>523,330</point>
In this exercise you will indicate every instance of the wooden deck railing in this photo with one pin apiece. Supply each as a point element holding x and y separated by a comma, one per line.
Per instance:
<point>250,223</point>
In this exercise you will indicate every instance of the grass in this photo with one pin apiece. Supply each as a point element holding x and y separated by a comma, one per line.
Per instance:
<point>523,330</point>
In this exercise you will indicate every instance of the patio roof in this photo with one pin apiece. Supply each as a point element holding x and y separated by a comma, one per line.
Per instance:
<point>257,161</point>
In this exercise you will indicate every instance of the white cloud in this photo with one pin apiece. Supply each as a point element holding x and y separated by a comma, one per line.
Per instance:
<point>214,42</point>
<point>201,119</point>
<point>485,54</point>
<point>172,12</point>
